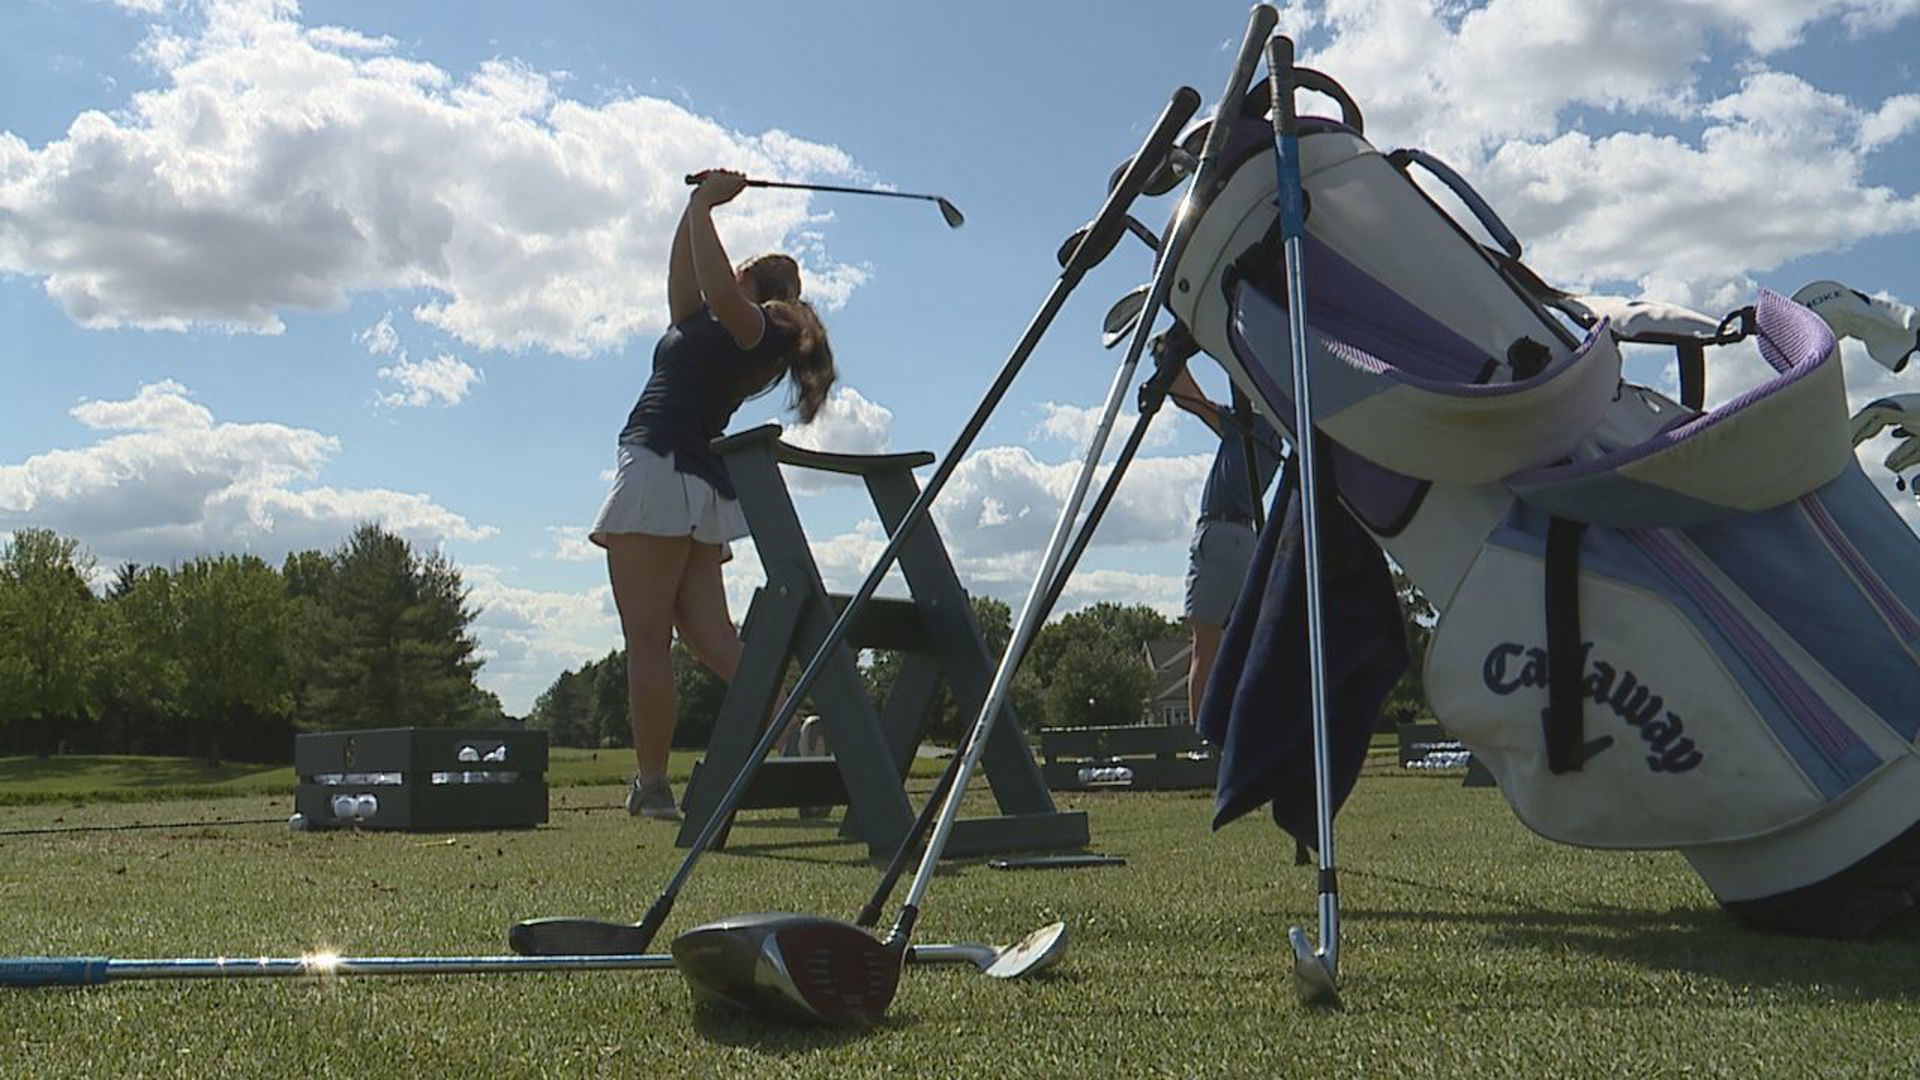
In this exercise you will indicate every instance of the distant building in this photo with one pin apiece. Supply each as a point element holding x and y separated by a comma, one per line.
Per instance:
<point>1169,659</point>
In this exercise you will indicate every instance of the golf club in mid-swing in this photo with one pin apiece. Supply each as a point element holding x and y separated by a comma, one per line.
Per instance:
<point>1316,972</point>
<point>819,969</point>
<point>955,219</point>
<point>566,936</point>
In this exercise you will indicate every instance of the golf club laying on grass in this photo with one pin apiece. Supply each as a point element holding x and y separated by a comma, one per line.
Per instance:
<point>819,969</point>
<point>564,936</point>
<point>1316,973</point>
<point>1034,952</point>
<point>947,210</point>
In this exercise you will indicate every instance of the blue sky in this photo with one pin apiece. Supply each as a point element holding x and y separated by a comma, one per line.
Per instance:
<point>267,270</point>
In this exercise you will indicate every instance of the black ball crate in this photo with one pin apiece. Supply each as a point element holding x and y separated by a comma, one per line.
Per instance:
<point>418,779</point>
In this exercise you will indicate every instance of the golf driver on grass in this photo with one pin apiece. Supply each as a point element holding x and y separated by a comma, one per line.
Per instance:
<point>1316,973</point>
<point>819,969</point>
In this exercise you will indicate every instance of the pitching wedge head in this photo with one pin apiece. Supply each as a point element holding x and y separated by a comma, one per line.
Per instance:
<point>1036,952</point>
<point>952,213</point>
<point>1313,975</point>
<point>794,967</point>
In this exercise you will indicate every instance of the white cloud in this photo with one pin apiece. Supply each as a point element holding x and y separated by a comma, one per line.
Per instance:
<point>281,166</point>
<point>176,483</point>
<point>1694,191</point>
<point>444,379</point>
<point>380,339</point>
<point>847,424</point>
<point>1002,500</point>
<point>570,544</point>
<point>1074,425</point>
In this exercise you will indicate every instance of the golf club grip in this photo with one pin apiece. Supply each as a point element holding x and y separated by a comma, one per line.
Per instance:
<point>1107,225</point>
<point>26,971</point>
<point>693,180</point>
<point>1286,130</point>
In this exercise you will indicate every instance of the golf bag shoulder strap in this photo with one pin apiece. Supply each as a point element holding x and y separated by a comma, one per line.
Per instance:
<point>1564,718</point>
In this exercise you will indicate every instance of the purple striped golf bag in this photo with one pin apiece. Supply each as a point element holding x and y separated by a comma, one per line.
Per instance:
<point>1659,627</point>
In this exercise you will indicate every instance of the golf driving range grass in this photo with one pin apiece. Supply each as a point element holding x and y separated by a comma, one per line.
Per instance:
<point>1471,948</point>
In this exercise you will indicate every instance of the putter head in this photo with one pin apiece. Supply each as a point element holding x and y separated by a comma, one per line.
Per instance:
<point>795,967</point>
<point>1036,952</point>
<point>1313,977</point>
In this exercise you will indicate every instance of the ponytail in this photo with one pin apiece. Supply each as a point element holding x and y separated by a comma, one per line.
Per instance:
<point>809,356</point>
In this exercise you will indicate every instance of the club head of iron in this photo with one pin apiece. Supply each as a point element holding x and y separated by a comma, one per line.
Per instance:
<point>1313,976</point>
<point>1036,952</point>
<point>794,967</point>
<point>1123,316</point>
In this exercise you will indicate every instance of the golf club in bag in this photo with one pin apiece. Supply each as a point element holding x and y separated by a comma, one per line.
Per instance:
<point>947,210</point>
<point>1316,972</point>
<point>574,936</point>
<point>818,969</point>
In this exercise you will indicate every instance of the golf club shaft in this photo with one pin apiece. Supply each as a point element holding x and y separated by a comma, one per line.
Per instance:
<point>897,865</point>
<point>694,179</point>
<point>1157,144</point>
<point>33,971</point>
<point>1259,24</point>
<point>1292,230</point>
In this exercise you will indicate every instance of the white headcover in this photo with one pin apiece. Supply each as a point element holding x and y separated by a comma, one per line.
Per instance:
<point>1889,328</point>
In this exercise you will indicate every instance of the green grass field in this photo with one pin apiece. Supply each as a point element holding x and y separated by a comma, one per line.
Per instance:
<point>1471,948</point>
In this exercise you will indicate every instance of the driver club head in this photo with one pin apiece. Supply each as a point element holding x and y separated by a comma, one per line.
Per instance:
<point>1122,316</point>
<point>803,968</point>
<point>1313,975</point>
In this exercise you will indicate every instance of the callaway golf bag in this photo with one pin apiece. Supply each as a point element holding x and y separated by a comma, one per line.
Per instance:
<point>1659,627</point>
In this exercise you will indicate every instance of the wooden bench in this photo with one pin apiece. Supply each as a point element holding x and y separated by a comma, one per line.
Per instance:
<point>1136,757</point>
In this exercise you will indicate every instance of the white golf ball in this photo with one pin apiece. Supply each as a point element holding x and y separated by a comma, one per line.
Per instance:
<point>297,823</point>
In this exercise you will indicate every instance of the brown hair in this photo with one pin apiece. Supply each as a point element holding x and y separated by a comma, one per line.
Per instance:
<point>774,277</point>
<point>809,355</point>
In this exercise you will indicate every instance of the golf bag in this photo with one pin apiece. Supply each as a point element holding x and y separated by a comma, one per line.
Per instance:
<point>1659,627</point>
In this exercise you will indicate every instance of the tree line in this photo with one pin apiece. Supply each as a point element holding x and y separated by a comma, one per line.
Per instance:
<point>1086,669</point>
<point>227,656</point>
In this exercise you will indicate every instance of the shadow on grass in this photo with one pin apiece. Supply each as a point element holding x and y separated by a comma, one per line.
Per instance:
<point>777,1038</point>
<point>1694,941</point>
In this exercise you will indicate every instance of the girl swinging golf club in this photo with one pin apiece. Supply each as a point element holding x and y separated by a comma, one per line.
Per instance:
<point>667,522</point>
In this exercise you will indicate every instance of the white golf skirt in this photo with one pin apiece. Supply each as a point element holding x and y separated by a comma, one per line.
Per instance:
<point>650,496</point>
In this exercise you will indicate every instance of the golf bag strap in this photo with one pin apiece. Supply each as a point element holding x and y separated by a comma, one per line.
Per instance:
<point>1693,374</point>
<point>1562,721</point>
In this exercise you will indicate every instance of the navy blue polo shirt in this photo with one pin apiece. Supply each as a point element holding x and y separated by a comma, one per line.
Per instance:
<point>1227,495</point>
<point>700,376</point>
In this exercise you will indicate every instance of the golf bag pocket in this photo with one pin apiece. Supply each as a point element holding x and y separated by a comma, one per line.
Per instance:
<point>1680,741</point>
